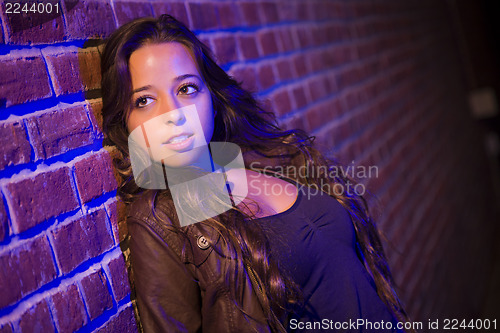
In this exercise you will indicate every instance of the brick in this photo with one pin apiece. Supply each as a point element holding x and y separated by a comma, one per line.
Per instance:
<point>89,237</point>
<point>296,122</point>
<point>317,61</point>
<point>26,28</point>
<point>229,15</point>
<point>304,11</point>
<point>203,16</point>
<point>347,77</point>
<point>123,322</point>
<point>340,132</point>
<point>318,87</point>
<point>286,38</point>
<point>25,268</point>
<point>319,10</point>
<point>368,49</point>
<point>285,69</point>
<point>22,80</point>
<point>288,11</point>
<point>4,226</point>
<point>337,33</point>
<point>89,19</point>
<point>175,8</point>
<point>338,56</point>
<point>299,96</point>
<point>69,312</point>
<point>94,176</point>
<point>251,13</point>
<point>225,48</point>
<point>363,30</point>
<point>363,9</point>
<point>35,199</point>
<point>327,141</point>
<point>268,42</point>
<point>247,76</point>
<point>72,72</point>
<point>304,36</point>
<point>300,63</point>
<point>281,102</point>
<point>112,211</point>
<point>351,100</point>
<point>126,11</point>
<point>36,319</point>
<point>58,131</point>
<point>341,10</point>
<point>95,108</point>
<point>270,11</point>
<point>319,36</point>
<point>2,40</point>
<point>332,85</point>
<point>248,47</point>
<point>117,216</point>
<point>266,76</point>
<point>14,145</point>
<point>96,294</point>
<point>119,278</point>
<point>266,104</point>
<point>315,116</point>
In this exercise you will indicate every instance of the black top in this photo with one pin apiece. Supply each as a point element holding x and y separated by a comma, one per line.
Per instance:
<point>315,241</point>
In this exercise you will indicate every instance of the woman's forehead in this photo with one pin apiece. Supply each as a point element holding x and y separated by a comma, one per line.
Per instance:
<point>162,58</point>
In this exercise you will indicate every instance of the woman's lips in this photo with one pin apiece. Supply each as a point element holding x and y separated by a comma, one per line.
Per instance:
<point>180,142</point>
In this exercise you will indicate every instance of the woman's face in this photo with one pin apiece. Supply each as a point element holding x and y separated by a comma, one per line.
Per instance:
<point>171,107</point>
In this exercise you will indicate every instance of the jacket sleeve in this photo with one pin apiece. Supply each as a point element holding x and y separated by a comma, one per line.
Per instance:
<point>168,295</point>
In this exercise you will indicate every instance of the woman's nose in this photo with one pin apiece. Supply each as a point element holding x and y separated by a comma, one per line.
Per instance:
<point>175,117</point>
<point>174,114</point>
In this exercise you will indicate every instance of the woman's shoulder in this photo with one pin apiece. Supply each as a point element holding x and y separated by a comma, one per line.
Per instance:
<point>151,206</point>
<point>154,217</point>
<point>146,216</point>
<point>141,207</point>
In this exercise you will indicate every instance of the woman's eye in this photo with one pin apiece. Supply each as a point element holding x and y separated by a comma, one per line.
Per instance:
<point>188,89</point>
<point>143,101</point>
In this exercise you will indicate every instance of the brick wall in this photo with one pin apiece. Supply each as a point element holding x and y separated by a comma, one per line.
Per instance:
<point>378,82</point>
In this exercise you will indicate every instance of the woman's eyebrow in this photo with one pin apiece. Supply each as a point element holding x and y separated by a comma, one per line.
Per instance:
<point>141,89</point>
<point>176,79</point>
<point>185,76</point>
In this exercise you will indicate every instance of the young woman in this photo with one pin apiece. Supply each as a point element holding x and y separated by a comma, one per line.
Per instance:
<point>305,259</point>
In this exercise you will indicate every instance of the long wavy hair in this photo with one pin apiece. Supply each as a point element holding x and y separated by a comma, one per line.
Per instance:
<point>241,120</point>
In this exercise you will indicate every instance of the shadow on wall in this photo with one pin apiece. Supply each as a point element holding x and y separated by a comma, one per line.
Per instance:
<point>90,78</point>
<point>62,268</point>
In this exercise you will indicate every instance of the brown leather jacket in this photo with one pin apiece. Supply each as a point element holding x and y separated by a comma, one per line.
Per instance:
<point>179,292</point>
